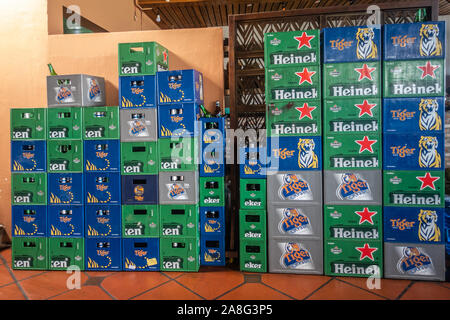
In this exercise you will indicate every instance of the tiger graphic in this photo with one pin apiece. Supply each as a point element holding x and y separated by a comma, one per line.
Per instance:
<point>428,229</point>
<point>429,156</point>
<point>366,48</point>
<point>429,118</point>
<point>429,42</point>
<point>306,155</point>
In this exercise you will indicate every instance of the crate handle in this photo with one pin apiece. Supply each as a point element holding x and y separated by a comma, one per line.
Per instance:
<point>136,49</point>
<point>140,211</point>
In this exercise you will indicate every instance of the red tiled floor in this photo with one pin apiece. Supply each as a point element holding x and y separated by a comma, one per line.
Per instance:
<point>211,284</point>
<point>390,289</point>
<point>136,282</point>
<point>169,291</point>
<point>47,284</point>
<point>174,275</point>
<point>298,287</point>
<point>11,292</point>
<point>5,276</point>
<point>426,291</point>
<point>99,273</point>
<point>338,290</point>
<point>6,253</point>
<point>254,291</point>
<point>84,293</point>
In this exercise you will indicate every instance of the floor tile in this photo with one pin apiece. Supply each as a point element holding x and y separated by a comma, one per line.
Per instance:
<point>211,284</point>
<point>125,285</point>
<point>6,254</point>
<point>296,286</point>
<point>254,291</point>
<point>24,274</point>
<point>426,291</point>
<point>84,293</point>
<point>47,284</point>
<point>173,275</point>
<point>389,288</point>
<point>338,290</point>
<point>5,276</point>
<point>99,273</point>
<point>169,291</point>
<point>11,292</point>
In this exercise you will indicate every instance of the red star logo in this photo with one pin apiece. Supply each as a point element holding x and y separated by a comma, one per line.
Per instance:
<point>305,75</point>
<point>165,55</point>
<point>366,215</point>
<point>365,108</point>
<point>365,72</point>
<point>366,251</point>
<point>304,40</point>
<point>428,70</point>
<point>427,181</point>
<point>305,111</point>
<point>365,144</point>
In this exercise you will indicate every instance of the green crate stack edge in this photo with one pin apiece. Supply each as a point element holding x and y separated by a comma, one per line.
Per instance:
<point>294,179</point>
<point>414,151</point>
<point>352,151</point>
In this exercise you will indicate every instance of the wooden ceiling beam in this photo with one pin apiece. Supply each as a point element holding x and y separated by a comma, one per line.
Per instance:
<point>199,15</point>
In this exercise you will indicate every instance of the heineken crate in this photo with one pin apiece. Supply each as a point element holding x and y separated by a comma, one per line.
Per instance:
<point>295,153</point>
<point>140,189</point>
<point>353,222</point>
<point>294,118</point>
<point>142,58</point>
<point>287,84</point>
<point>179,221</point>
<point>413,151</point>
<point>103,254</point>
<point>102,188</point>
<point>139,158</point>
<point>180,86</point>
<point>293,255</point>
<point>178,154</point>
<point>139,125</point>
<point>181,187</point>
<point>75,90</point>
<point>353,151</point>
<point>253,225</point>
<point>179,120</point>
<point>351,44</point>
<point>29,188</point>
<point>29,221</point>
<point>413,188</point>
<point>212,163</point>
<point>212,221</point>
<point>64,123</point>
<point>137,92</point>
<point>353,187</point>
<point>103,221</point>
<point>140,221</point>
<point>352,80</point>
<point>212,131</point>
<point>140,254</point>
<point>252,194</point>
<point>65,252</point>
<point>101,123</point>
<point>293,48</point>
<point>212,191</point>
<point>350,116</point>
<point>353,258</point>
<point>27,156</point>
<point>414,78</point>
<point>29,253</point>
<point>414,115</point>
<point>295,188</point>
<point>414,225</point>
<point>101,155</point>
<point>253,256</point>
<point>28,123</point>
<point>422,40</point>
<point>65,221</point>
<point>414,261</point>
<point>64,156</point>
<point>299,222</point>
<point>212,250</point>
<point>179,254</point>
<point>65,189</point>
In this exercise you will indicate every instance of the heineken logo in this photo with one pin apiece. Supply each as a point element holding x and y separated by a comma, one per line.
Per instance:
<point>354,233</point>
<point>295,94</point>
<point>96,132</point>
<point>365,216</point>
<point>395,180</point>
<point>414,261</point>
<point>57,133</point>
<point>354,126</point>
<point>352,90</point>
<point>60,262</point>
<point>304,40</point>
<point>335,108</point>
<point>366,144</point>
<point>365,108</point>
<point>275,41</point>
<point>210,200</point>
<point>335,214</point>
<point>172,263</point>
<point>253,235</point>
<point>276,111</point>
<point>276,77</point>
<point>22,198</point>
<point>23,262</point>
<point>365,72</point>
<point>352,162</point>
<point>415,199</point>
<point>427,181</point>
<point>334,73</point>
<point>413,89</point>
<point>295,128</point>
<point>355,269</point>
<point>131,67</point>
<point>336,250</point>
<point>305,76</point>
<point>336,144</point>
<point>134,229</point>
<point>305,111</point>
<point>252,203</point>
<point>21,133</point>
<point>428,70</point>
<point>252,265</point>
<point>293,58</point>
<point>366,252</point>
<point>133,167</point>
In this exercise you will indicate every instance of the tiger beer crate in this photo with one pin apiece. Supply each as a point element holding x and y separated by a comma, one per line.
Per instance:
<point>28,156</point>
<point>75,90</point>
<point>139,189</point>
<point>140,221</point>
<point>29,221</point>
<point>65,188</point>
<point>293,48</point>
<point>139,125</point>
<point>103,220</point>
<point>352,44</point>
<point>253,225</point>
<point>137,92</point>
<point>102,188</point>
<point>140,254</point>
<point>65,221</point>
<point>101,155</point>
<point>253,255</point>
<point>423,40</point>
<point>180,87</point>
<point>103,254</point>
<point>142,58</point>
<point>180,254</point>
<point>65,252</point>
<point>29,253</point>
<point>181,187</point>
<point>212,221</point>
<point>212,250</point>
<point>28,123</point>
